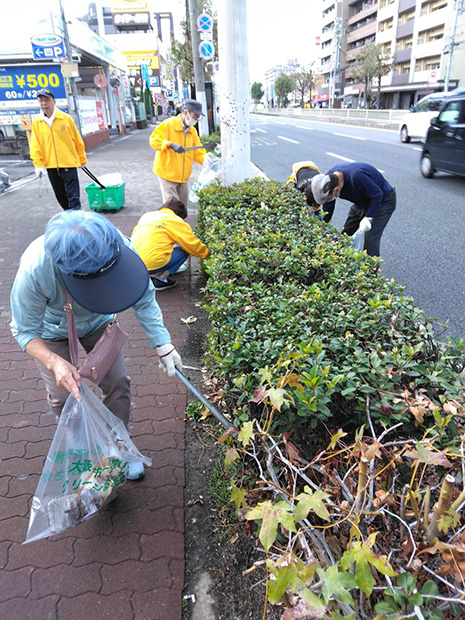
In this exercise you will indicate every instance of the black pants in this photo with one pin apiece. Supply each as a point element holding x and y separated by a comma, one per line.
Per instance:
<point>380,220</point>
<point>65,183</point>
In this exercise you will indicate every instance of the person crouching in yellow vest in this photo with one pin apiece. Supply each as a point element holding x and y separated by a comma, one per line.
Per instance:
<point>164,241</point>
<point>301,178</point>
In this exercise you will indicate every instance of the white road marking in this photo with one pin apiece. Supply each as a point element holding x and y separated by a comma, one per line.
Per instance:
<point>345,135</point>
<point>341,157</point>
<point>260,130</point>
<point>307,128</point>
<point>351,161</point>
<point>416,148</point>
<point>288,140</point>
<point>280,123</point>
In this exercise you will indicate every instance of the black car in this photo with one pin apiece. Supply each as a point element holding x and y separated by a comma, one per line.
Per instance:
<point>444,148</point>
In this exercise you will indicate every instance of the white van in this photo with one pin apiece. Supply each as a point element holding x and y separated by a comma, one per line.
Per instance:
<point>415,124</point>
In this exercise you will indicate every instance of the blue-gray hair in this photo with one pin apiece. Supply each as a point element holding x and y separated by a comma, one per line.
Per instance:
<point>80,241</point>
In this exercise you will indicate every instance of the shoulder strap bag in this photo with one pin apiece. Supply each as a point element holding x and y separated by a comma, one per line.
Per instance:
<point>102,357</point>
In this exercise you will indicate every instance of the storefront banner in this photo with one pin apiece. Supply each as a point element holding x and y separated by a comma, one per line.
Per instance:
<point>89,116</point>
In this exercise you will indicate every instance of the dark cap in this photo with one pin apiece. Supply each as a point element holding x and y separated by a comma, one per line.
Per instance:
<point>100,271</point>
<point>193,106</point>
<point>45,92</point>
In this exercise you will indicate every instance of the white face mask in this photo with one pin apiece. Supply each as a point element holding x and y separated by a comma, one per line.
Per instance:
<point>189,121</point>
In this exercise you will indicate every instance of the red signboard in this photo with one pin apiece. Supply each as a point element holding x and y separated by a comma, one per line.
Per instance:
<point>100,119</point>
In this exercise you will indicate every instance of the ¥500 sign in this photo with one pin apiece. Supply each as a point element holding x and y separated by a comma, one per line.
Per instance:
<point>21,83</point>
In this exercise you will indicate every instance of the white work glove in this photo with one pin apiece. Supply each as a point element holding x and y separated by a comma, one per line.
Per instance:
<point>365,225</point>
<point>169,359</point>
<point>41,171</point>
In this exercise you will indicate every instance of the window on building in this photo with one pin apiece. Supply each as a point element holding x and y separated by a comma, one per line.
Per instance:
<point>428,63</point>
<point>431,6</point>
<point>406,17</point>
<point>404,43</point>
<point>385,25</point>
<point>402,67</point>
<point>433,34</point>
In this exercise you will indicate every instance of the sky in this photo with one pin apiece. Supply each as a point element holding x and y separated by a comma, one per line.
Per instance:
<point>280,31</point>
<point>277,31</point>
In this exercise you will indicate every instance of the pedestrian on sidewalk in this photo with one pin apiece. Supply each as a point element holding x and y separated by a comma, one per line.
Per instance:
<point>58,150</point>
<point>164,241</point>
<point>85,254</point>
<point>173,161</point>
<point>374,199</point>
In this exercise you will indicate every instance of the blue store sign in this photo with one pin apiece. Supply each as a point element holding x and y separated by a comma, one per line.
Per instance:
<point>21,83</point>
<point>48,47</point>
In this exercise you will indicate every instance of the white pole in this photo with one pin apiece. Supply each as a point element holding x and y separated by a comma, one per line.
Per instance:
<point>234,88</point>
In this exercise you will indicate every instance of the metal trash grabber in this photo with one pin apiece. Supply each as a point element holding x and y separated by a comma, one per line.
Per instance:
<point>194,148</point>
<point>92,176</point>
<point>219,416</point>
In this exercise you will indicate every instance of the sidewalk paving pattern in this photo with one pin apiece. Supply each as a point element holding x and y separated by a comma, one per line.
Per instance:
<point>127,562</point>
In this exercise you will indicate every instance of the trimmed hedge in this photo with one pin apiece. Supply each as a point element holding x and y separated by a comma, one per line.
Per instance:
<point>303,322</point>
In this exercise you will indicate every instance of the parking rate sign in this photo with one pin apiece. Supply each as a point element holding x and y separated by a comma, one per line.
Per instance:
<point>21,83</point>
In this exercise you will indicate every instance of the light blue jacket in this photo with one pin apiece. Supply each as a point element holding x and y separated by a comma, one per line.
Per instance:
<point>38,296</point>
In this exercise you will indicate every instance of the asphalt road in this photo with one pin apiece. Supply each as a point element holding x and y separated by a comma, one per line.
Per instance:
<point>423,246</point>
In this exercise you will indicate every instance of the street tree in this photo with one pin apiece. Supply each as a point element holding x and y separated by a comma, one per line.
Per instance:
<point>304,83</point>
<point>282,87</point>
<point>371,62</point>
<point>180,54</point>
<point>257,92</point>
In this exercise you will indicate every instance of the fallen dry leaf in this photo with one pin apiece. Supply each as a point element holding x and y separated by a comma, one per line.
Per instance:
<point>190,319</point>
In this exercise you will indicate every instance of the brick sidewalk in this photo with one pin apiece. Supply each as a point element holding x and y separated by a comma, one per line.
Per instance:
<point>127,562</point>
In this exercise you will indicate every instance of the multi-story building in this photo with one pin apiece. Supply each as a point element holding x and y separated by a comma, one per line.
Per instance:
<point>139,32</point>
<point>333,50</point>
<point>360,31</point>
<point>418,34</point>
<point>273,74</point>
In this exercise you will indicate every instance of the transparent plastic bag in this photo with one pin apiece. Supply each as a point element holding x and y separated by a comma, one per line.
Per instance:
<point>211,170</point>
<point>85,466</point>
<point>358,240</point>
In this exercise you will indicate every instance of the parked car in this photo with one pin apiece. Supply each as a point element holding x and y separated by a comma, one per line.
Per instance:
<point>415,123</point>
<point>444,147</point>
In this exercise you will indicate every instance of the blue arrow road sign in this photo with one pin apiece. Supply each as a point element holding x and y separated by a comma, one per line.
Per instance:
<point>204,22</point>
<point>47,47</point>
<point>206,50</point>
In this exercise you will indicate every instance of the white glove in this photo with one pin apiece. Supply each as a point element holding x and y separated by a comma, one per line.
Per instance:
<point>169,359</point>
<point>41,171</point>
<point>365,225</point>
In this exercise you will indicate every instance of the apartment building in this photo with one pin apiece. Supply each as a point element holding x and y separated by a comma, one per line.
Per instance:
<point>360,31</point>
<point>333,51</point>
<point>417,33</point>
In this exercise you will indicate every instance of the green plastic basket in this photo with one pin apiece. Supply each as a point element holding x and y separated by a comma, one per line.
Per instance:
<point>110,198</point>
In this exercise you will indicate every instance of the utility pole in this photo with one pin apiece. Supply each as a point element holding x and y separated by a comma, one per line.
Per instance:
<point>198,66</point>
<point>338,32</point>
<point>70,59</point>
<point>459,8</point>
<point>234,90</point>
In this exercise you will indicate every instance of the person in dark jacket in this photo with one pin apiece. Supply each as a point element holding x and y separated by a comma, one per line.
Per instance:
<point>373,199</point>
